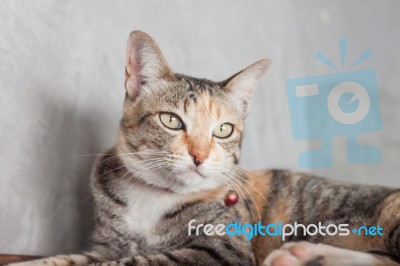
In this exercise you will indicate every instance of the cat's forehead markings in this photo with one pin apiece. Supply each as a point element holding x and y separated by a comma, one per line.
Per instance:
<point>204,111</point>
<point>201,94</point>
<point>203,105</point>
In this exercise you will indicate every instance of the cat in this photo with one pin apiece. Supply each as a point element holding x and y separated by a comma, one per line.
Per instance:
<point>176,160</point>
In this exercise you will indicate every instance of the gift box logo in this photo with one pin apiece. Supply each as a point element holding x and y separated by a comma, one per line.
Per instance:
<point>344,103</point>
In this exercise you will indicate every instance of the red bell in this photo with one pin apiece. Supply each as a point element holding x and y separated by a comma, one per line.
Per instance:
<point>231,198</point>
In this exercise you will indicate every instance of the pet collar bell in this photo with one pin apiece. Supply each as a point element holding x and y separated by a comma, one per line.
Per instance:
<point>231,198</point>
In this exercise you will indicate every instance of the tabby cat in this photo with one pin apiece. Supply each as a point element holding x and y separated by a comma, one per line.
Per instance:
<point>175,161</point>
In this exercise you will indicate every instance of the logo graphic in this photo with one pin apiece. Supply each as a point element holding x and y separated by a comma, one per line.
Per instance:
<point>280,229</point>
<point>345,103</point>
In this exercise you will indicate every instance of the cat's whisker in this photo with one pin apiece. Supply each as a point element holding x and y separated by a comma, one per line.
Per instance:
<point>121,183</point>
<point>240,191</point>
<point>152,167</point>
<point>166,157</point>
<point>242,178</point>
<point>112,170</point>
<point>238,178</point>
<point>127,180</point>
<point>238,182</point>
<point>93,154</point>
<point>125,154</point>
<point>153,160</point>
<point>175,156</point>
<point>149,165</point>
<point>147,156</point>
<point>120,153</point>
<point>132,176</point>
<point>247,182</point>
<point>235,188</point>
<point>245,172</point>
<point>231,181</point>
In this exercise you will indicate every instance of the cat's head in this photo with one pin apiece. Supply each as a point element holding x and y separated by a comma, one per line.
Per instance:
<point>179,132</point>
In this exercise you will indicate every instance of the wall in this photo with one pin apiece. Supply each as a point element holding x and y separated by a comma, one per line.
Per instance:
<point>61,87</point>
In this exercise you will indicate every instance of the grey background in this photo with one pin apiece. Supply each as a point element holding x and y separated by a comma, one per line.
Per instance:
<point>61,92</point>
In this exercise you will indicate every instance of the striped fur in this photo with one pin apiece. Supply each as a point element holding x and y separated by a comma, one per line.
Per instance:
<point>151,184</point>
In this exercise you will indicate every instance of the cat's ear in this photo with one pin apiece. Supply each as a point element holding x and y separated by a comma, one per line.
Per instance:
<point>240,86</point>
<point>144,63</point>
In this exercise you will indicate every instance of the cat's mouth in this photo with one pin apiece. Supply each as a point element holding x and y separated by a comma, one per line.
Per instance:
<point>194,169</point>
<point>198,172</point>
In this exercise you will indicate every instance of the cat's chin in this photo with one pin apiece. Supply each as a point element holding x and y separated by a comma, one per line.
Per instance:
<point>195,181</point>
<point>189,182</point>
<point>177,181</point>
<point>194,189</point>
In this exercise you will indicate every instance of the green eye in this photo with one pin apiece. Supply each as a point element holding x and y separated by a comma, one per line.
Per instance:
<point>171,121</point>
<point>223,131</point>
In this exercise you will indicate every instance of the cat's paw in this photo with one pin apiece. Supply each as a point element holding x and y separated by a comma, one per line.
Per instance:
<point>294,254</point>
<point>24,263</point>
<point>309,254</point>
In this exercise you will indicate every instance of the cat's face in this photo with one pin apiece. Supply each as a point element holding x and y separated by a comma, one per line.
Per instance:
<point>177,132</point>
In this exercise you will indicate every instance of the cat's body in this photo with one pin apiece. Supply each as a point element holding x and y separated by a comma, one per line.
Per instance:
<point>175,161</point>
<point>160,218</point>
<point>146,220</point>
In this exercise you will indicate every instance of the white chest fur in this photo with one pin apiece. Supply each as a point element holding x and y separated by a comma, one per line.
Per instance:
<point>145,208</point>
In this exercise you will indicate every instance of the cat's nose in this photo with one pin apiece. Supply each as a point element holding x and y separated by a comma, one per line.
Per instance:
<point>198,157</point>
<point>197,163</point>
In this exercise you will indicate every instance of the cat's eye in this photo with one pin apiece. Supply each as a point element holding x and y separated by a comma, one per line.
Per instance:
<point>223,131</point>
<point>171,121</point>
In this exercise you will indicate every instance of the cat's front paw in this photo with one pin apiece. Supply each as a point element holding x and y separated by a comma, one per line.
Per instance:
<point>23,263</point>
<point>294,254</point>
<point>310,254</point>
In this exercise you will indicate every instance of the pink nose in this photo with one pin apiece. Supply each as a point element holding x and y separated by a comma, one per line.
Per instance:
<point>198,156</point>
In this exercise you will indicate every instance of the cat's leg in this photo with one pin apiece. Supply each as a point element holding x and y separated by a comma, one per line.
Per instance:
<point>310,254</point>
<point>195,255</point>
<point>232,251</point>
<point>205,252</point>
<point>62,260</point>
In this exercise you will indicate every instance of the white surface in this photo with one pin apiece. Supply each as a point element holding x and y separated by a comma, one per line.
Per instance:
<point>62,75</point>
